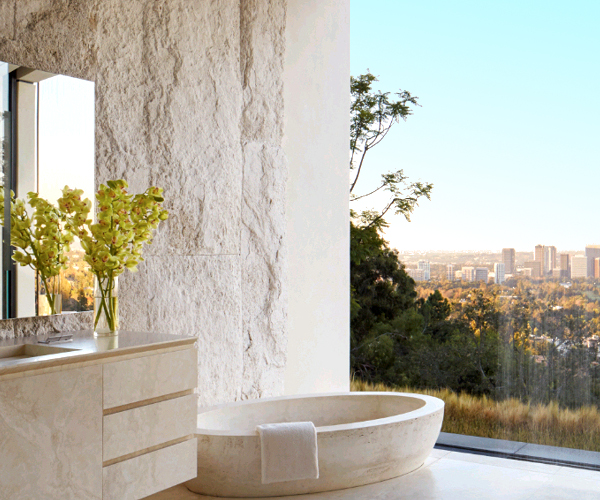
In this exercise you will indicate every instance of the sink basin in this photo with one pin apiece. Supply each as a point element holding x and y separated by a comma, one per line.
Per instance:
<point>10,353</point>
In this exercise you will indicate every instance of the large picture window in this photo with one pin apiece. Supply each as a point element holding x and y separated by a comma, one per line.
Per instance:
<point>489,297</point>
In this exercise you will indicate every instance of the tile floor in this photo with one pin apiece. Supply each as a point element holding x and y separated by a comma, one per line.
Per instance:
<point>460,476</point>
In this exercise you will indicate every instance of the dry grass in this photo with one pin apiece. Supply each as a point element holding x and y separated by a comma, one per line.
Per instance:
<point>511,419</point>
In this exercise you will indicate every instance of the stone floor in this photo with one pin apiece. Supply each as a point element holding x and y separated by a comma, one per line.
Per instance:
<point>460,476</point>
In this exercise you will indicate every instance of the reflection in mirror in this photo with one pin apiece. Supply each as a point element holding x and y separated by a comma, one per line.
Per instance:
<point>47,135</point>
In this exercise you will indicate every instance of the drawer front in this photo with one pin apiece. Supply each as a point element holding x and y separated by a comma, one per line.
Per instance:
<point>147,377</point>
<point>150,473</point>
<point>135,430</point>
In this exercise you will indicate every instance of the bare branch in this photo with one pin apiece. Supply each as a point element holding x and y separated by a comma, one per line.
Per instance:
<point>359,168</point>
<point>368,194</point>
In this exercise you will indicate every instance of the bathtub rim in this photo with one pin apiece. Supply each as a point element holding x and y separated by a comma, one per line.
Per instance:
<point>432,405</point>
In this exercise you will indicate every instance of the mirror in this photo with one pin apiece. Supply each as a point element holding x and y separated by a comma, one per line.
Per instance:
<point>47,135</point>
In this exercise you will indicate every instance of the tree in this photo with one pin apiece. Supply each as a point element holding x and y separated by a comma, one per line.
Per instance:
<point>384,317</point>
<point>435,311</point>
<point>382,289</point>
<point>372,116</point>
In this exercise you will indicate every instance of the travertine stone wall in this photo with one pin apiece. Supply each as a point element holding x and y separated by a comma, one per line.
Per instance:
<point>262,48</point>
<point>189,98</point>
<point>45,325</point>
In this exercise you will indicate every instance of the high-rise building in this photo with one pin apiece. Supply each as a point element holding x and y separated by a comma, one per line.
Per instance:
<point>424,265</point>
<point>546,256</point>
<point>536,268</point>
<point>416,274</point>
<point>579,266</point>
<point>450,272</point>
<point>591,252</point>
<point>508,259</point>
<point>468,273</point>
<point>499,273</point>
<point>538,256</point>
<point>597,267</point>
<point>549,259</point>
<point>481,274</point>
<point>565,266</point>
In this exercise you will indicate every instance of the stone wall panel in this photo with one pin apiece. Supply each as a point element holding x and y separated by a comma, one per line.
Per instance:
<point>189,98</point>
<point>44,325</point>
<point>263,208</point>
<point>53,35</point>
<point>200,296</point>
<point>7,19</point>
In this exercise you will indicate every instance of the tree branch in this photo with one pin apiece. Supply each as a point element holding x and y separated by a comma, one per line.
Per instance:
<point>362,159</point>
<point>380,216</point>
<point>369,194</point>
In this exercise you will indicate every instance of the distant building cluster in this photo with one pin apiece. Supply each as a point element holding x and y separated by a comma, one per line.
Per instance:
<point>563,346</point>
<point>422,272</point>
<point>547,262</point>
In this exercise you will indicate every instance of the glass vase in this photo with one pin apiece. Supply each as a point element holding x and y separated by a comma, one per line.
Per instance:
<point>106,306</point>
<point>50,295</point>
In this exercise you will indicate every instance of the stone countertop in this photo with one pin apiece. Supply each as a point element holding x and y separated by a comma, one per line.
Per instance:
<point>19,354</point>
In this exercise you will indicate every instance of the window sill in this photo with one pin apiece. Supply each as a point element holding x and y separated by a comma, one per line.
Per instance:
<point>519,451</point>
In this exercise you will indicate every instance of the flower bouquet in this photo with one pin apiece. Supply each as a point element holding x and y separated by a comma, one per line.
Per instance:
<point>114,242</point>
<point>41,243</point>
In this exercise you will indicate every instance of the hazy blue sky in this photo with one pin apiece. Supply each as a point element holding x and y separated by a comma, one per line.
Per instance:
<point>508,131</point>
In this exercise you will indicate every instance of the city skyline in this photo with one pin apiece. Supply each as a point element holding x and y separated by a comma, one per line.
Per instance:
<point>501,159</point>
<point>546,262</point>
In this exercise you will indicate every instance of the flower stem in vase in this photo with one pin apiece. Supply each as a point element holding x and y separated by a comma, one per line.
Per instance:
<point>106,305</point>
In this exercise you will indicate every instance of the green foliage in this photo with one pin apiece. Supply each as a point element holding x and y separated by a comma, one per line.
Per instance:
<point>435,311</point>
<point>398,339</point>
<point>372,115</point>
<point>385,321</point>
<point>383,302</point>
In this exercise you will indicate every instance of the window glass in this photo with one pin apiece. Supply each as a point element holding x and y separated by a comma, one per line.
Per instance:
<point>501,318</point>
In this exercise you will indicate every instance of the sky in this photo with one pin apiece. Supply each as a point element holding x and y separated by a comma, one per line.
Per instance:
<point>508,131</point>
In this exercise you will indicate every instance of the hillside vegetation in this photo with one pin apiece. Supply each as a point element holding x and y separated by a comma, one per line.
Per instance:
<point>545,424</point>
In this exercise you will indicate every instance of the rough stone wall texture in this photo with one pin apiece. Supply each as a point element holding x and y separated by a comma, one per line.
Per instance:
<point>43,325</point>
<point>189,98</point>
<point>262,51</point>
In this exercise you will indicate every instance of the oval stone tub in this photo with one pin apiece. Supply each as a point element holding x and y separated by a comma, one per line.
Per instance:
<point>362,438</point>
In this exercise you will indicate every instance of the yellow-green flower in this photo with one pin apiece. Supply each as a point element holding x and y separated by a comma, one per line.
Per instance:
<point>124,223</point>
<point>40,240</point>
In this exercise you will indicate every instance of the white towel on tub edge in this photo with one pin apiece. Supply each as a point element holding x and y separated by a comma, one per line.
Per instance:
<point>288,452</point>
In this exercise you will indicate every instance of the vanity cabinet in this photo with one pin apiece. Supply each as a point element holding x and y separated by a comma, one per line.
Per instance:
<point>149,424</point>
<point>51,435</point>
<point>118,428</point>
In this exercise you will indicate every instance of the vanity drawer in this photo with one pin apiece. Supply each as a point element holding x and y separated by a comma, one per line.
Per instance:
<point>150,473</point>
<point>132,380</point>
<point>140,428</point>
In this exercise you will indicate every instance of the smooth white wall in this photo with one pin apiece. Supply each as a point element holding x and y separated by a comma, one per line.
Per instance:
<point>316,135</point>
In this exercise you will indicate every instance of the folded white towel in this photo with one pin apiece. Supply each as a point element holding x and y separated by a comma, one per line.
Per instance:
<point>288,452</point>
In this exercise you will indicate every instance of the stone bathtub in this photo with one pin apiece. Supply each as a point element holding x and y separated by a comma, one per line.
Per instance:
<point>363,437</point>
